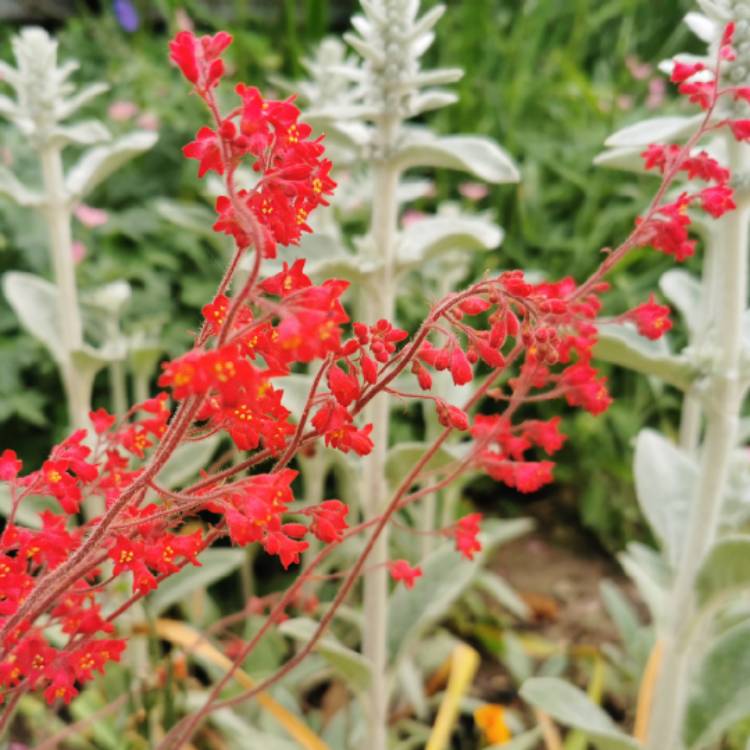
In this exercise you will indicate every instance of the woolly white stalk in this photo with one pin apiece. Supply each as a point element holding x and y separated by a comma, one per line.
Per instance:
<point>374,487</point>
<point>722,405</point>
<point>58,217</point>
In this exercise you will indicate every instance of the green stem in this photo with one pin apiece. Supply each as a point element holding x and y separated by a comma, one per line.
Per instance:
<point>722,405</point>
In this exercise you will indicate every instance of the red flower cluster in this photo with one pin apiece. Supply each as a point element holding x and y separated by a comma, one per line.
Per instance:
<point>665,228</point>
<point>293,177</point>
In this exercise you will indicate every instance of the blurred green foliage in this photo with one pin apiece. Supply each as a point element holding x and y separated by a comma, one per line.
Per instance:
<point>548,80</point>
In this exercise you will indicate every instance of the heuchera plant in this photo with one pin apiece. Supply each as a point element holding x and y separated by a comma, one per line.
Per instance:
<point>533,339</point>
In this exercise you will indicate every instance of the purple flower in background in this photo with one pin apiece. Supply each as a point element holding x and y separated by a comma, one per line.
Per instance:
<point>127,15</point>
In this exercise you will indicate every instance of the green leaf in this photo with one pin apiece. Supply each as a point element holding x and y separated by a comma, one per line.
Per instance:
<point>432,237</point>
<point>429,100</point>
<point>726,570</point>
<point>187,460</point>
<point>68,106</point>
<point>88,361</point>
<point>572,707</point>
<point>627,158</point>
<point>194,217</point>
<point>665,479</point>
<point>650,574</point>
<point>28,510</point>
<point>526,741</point>
<point>402,457</point>
<point>104,732</point>
<point>721,691</point>
<point>99,163</point>
<point>620,611</point>
<point>352,666</point>
<point>683,290</point>
<point>296,389</point>
<point>622,345</point>
<point>478,156</point>
<point>241,734</point>
<point>654,130</point>
<point>81,133</point>
<point>500,590</point>
<point>215,565</point>
<point>11,187</point>
<point>445,577</point>
<point>34,300</point>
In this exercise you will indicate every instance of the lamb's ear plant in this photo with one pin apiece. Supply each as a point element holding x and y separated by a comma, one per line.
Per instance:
<point>692,486</point>
<point>367,105</point>
<point>54,312</point>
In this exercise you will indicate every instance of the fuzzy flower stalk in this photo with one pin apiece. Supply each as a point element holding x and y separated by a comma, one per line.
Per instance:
<point>533,341</point>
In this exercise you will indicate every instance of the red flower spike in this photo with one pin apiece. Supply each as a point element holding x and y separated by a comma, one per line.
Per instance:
<point>400,570</point>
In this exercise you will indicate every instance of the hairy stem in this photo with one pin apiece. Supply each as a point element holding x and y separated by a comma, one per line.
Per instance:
<point>722,406</point>
<point>374,487</point>
<point>57,215</point>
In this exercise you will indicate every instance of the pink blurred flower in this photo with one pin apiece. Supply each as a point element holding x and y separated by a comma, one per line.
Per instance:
<point>639,70</point>
<point>473,191</point>
<point>91,217</point>
<point>122,110</point>
<point>183,20</point>
<point>657,90</point>
<point>79,251</point>
<point>624,102</point>
<point>412,216</point>
<point>148,121</point>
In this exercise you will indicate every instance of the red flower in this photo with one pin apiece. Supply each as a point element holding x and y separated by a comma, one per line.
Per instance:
<point>717,200</point>
<point>452,416</point>
<point>740,129</point>
<point>651,319</point>
<point>460,367</point>
<point>101,420</point>
<point>329,520</point>
<point>344,386</point>
<point>465,534</point>
<point>682,71</point>
<point>400,570</point>
<point>288,280</point>
<point>206,148</point>
<point>702,94</point>
<point>9,465</point>
<point>335,422</point>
